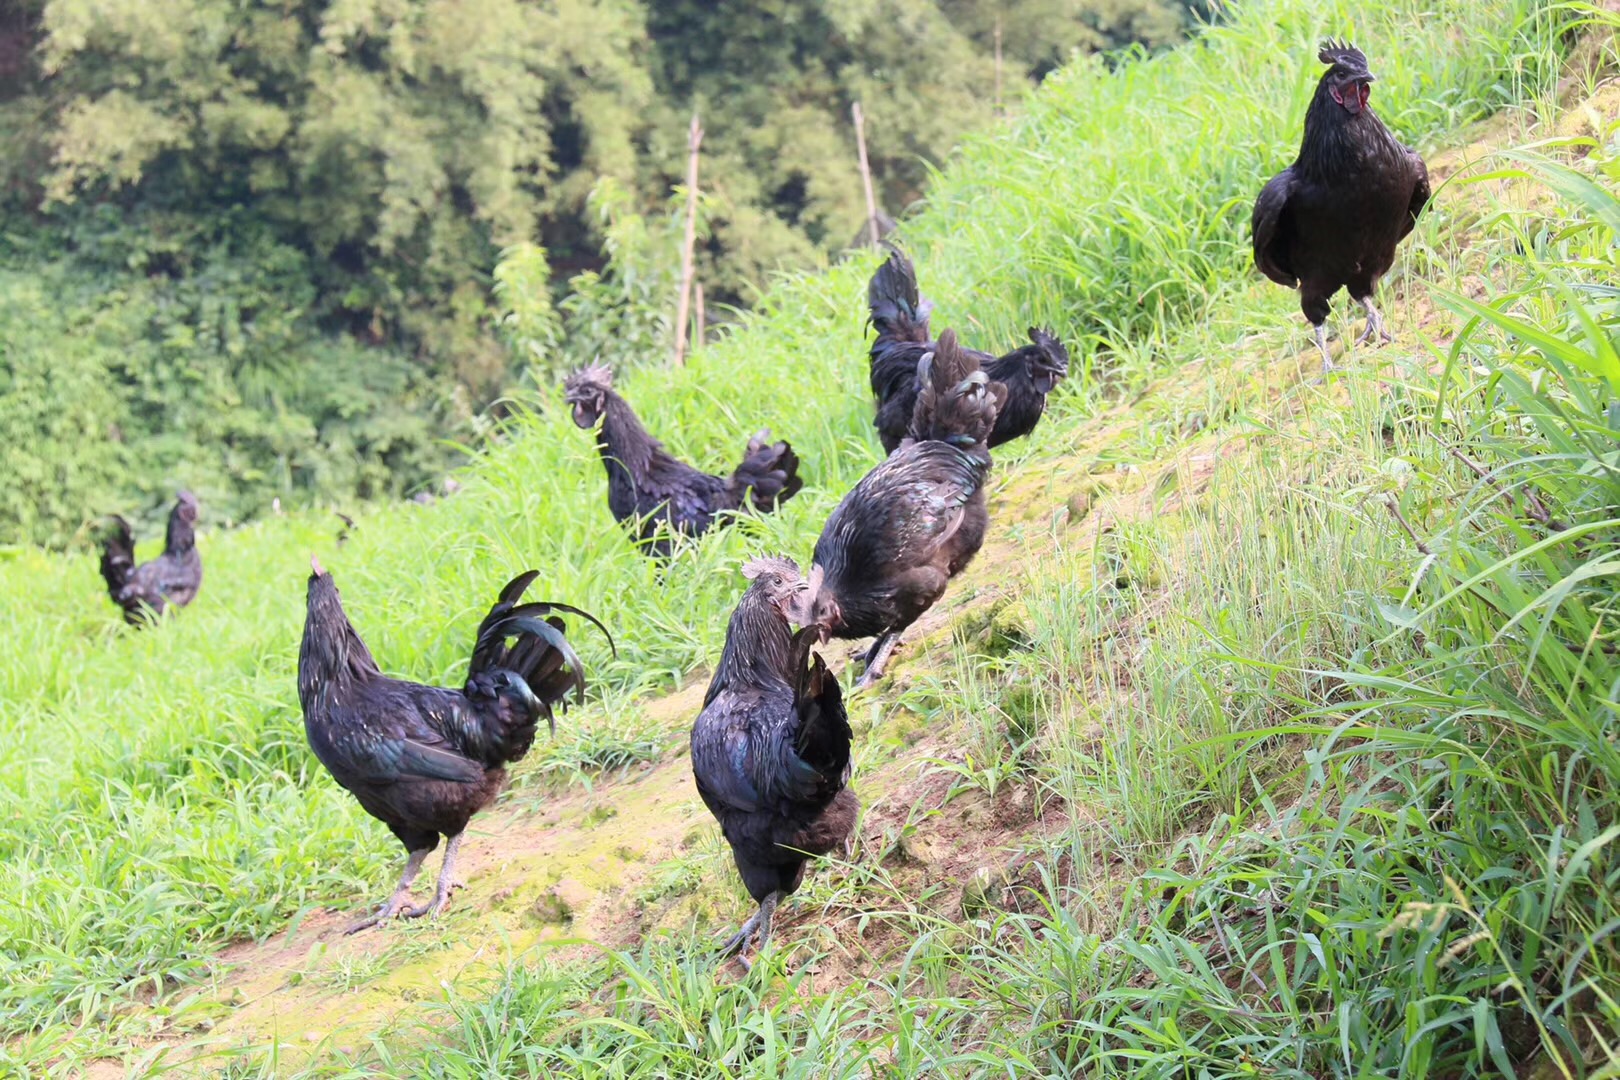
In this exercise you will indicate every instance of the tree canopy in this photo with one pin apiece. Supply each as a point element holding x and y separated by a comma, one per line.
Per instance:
<point>280,180</point>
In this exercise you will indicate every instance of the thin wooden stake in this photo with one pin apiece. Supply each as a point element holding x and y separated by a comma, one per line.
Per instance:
<point>700,324</point>
<point>866,175</point>
<point>694,140</point>
<point>998,63</point>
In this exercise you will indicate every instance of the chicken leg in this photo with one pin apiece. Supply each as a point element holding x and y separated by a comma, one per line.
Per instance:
<point>447,883</point>
<point>1321,343</point>
<point>402,892</point>
<point>1375,324</point>
<point>758,928</point>
<point>877,657</point>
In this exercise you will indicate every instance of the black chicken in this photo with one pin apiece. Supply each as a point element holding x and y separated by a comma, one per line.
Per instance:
<point>1332,219</point>
<point>901,320</point>
<point>918,518</point>
<point>654,493</point>
<point>425,759</point>
<point>170,580</point>
<point>770,750</point>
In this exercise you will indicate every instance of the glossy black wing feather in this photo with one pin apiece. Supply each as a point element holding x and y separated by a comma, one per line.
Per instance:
<point>1272,228</point>
<point>359,748</point>
<point>904,509</point>
<point>1420,194</point>
<point>824,736</point>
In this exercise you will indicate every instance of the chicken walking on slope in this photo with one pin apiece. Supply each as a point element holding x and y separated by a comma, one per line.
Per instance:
<point>424,759</point>
<point>170,580</point>
<point>900,319</point>
<point>914,521</point>
<point>1332,219</point>
<point>652,492</point>
<point>770,750</point>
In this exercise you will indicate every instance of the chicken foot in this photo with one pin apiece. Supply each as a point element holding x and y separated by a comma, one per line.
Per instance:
<point>447,883</point>
<point>877,658</point>
<point>1375,324</point>
<point>402,892</point>
<point>757,928</point>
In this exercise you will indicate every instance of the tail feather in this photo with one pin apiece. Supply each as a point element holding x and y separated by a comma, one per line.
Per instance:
<point>117,556</point>
<point>769,473</point>
<point>541,655</point>
<point>897,312</point>
<point>956,401</point>
<point>823,738</point>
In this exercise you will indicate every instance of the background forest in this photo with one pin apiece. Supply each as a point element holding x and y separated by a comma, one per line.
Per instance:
<point>255,247</point>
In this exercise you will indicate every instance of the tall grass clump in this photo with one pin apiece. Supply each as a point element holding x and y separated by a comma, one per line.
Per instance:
<point>156,798</point>
<point>1429,887</point>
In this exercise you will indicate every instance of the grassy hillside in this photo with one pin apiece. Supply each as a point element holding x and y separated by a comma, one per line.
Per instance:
<point>1262,717</point>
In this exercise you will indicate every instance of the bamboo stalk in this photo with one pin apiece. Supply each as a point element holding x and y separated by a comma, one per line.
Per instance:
<point>866,175</point>
<point>700,324</point>
<point>683,309</point>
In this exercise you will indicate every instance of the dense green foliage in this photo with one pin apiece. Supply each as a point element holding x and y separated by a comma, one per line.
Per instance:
<point>289,214</point>
<point>1367,787</point>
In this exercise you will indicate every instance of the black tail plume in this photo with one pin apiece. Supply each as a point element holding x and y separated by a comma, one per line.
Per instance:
<point>541,656</point>
<point>897,312</point>
<point>768,475</point>
<point>117,556</point>
<point>956,401</point>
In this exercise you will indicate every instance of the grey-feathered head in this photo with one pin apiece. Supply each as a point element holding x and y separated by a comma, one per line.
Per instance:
<point>782,584</point>
<point>185,504</point>
<point>586,391</point>
<point>1347,79</point>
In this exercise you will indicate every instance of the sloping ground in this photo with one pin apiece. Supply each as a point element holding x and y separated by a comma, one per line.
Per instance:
<point>156,795</point>
<point>566,871</point>
<point>600,868</point>
<point>199,802</point>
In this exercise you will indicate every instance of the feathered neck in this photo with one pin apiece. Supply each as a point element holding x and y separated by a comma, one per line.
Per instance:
<point>1335,141</point>
<point>622,439</point>
<point>759,647</point>
<point>182,534</point>
<point>332,656</point>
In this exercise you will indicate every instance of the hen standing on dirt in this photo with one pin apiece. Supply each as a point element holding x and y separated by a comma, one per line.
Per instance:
<point>770,751</point>
<point>170,580</point>
<point>652,491</point>
<point>900,318</point>
<point>916,520</point>
<point>424,759</point>
<point>1332,218</point>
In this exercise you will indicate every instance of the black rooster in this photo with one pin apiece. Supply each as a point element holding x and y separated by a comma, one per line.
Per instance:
<point>1332,219</point>
<point>656,494</point>
<point>900,318</point>
<point>918,518</point>
<point>425,759</point>
<point>770,750</point>
<point>170,580</point>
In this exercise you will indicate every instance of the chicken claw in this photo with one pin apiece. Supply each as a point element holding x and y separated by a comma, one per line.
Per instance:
<point>447,884</point>
<point>1375,325</point>
<point>757,929</point>
<point>396,902</point>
